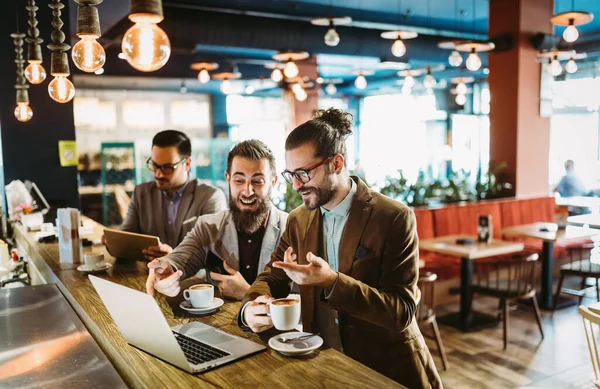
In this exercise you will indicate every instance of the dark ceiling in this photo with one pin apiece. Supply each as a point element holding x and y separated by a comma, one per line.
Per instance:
<point>245,33</point>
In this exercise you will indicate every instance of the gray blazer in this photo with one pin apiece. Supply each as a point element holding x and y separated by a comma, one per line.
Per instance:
<point>217,233</point>
<point>146,212</point>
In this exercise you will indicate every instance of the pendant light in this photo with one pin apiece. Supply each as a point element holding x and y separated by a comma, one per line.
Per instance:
<point>226,77</point>
<point>290,69</point>
<point>571,19</point>
<point>361,82</point>
<point>571,66</point>
<point>332,37</point>
<point>88,55</point>
<point>61,89</point>
<point>429,81</point>
<point>34,72</point>
<point>203,69</point>
<point>398,47</point>
<point>23,111</point>
<point>554,67</point>
<point>330,89</point>
<point>146,46</point>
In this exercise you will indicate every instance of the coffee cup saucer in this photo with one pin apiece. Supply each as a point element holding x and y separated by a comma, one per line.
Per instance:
<point>296,348</point>
<point>85,269</point>
<point>216,303</point>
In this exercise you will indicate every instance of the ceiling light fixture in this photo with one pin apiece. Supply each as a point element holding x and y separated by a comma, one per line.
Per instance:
<point>571,19</point>
<point>88,55</point>
<point>460,99</point>
<point>554,67</point>
<point>429,81</point>
<point>571,66</point>
<point>146,46</point>
<point>226,86</point>
<point>60,89</point>
<point>34,72</point>
<point>249,90</point>
<point>473,61</point>
<point>290,70</point>
<point>361,82</point>
<point>332,37</point>
<point>203,69</point>
<point>398,47</point>
<point>23,111</point>
<point>330,89</point>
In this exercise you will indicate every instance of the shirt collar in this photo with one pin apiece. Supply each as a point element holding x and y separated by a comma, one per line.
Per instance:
<point>178,193</point>
<point>343,208</point>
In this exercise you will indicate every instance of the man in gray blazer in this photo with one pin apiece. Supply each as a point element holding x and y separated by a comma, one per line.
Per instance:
<point>169,206</point>
<point>243,237</point>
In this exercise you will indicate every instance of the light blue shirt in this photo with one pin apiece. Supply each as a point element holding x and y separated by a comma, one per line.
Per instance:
<point>171,206</point>
<point>334,222</point>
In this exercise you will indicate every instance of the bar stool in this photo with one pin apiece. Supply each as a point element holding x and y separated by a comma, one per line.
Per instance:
<point>425,313</point>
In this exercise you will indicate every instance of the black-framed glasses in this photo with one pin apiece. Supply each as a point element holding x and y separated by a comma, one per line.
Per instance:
<point>303,175</point>
<point>166,168</point>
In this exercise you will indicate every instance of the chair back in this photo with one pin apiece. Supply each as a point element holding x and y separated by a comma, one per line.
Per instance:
<point>123,200</point>
<point>426,284</point>
<point>516,276</point>
<point>579,256</point>
<point>591,325</point>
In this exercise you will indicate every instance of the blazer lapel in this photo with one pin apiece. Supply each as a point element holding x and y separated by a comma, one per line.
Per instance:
<point>360,210</point>
<point>226,246</point>
<point>184,207</point>
<point>272,233</point>
<point>312,237</point>
<point>158,212</point>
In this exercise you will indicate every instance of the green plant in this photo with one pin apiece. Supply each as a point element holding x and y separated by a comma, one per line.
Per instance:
<point>493,184</point>
<point>291,199</point>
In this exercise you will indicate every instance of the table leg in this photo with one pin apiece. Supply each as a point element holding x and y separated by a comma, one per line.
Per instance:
<point>467,320</point>
<point>545,297</point>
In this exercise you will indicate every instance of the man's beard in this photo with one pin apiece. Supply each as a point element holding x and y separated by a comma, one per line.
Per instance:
<point>321,195</point>
<point>250,221</point>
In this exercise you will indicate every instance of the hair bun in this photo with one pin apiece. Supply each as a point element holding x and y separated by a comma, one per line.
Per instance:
<point>336,118</point>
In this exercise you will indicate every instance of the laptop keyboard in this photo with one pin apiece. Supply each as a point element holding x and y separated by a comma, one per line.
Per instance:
<point>197,352</point>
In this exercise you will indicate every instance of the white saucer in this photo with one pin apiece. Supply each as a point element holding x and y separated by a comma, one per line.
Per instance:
<point>300,347</point>
<point>186,305</point>
<point>87,270</point>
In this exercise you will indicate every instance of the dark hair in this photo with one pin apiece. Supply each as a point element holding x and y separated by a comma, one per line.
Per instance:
<point>327,131</point>
<point>170,138</point>
<point>254,150</point>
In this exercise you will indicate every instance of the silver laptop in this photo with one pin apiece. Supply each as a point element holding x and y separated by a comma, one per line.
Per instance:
<point>194,347</point>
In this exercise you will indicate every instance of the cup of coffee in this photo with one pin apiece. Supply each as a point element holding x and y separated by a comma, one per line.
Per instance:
<point>285,313</point>
<point>200,296</point>
<point>47,227</point>
<point>94,261</point>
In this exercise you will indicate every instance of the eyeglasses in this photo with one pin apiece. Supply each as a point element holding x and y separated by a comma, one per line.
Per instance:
<point>167,168</point>
<point>302,174</point>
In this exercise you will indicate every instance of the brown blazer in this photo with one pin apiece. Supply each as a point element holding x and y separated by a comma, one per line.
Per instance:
<point>375,292</point>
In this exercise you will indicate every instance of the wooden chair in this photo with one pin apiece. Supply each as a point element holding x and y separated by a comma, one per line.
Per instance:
<point>589,320</point>
<point>425,313</point>
<point>579,266</point>
<point>122,199</point>
<point>509,280</point>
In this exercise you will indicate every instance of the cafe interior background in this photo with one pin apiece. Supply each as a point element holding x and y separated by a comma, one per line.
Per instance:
<point>454,102</point>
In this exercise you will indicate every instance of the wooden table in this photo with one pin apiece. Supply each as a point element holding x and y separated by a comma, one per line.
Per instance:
<point>467,320</point>
<point>326,368</point>
<point>580,201</point>
<point>590,220</point>
<point>549,233</point>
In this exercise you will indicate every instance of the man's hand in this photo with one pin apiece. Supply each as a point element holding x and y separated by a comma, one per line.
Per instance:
<point>255,314</point>
<point>153,252</point>
<point>316,273</point>
<point>162,278</point>
<point>233,285</point>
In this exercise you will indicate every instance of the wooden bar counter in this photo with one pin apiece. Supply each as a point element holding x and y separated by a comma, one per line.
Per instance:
<point>268,369</point>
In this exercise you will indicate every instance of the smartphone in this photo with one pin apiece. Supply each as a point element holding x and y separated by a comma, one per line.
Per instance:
<point>215,264</point>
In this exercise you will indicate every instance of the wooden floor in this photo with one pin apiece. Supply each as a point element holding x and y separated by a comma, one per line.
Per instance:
<point>560,361</point>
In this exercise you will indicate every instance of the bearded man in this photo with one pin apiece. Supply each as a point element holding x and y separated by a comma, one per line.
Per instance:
<point>243,237</point>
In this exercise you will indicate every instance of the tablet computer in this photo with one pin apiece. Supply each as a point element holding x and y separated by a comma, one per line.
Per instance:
<point>215,264</point>
<point>128,245</point>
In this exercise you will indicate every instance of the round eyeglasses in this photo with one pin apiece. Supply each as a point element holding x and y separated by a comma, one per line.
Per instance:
<point>166,168</point>
<point>302,175</point>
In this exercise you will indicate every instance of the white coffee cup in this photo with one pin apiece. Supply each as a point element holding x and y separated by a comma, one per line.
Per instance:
<point>285,313</point>
<point>94,260</point>
<point>47,227</point>
<point>200,296</point>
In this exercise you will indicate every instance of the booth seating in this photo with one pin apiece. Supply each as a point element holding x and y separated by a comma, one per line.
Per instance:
<point>462,219</point>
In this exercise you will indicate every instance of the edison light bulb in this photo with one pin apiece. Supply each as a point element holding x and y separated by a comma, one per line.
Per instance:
<point>297,88</point>
<point>35,72</point>
<point>461,88</point>
<point>455,59</point>
<point>291,69</point>
<point>204,76</point>
<point>249,89</point>
<point>332,38</point>
<point>398,48</point>
<point>409,81</point>
<point>460,99</point>
<point>330,89</point>
<point>61,89</point>
<point>570,34</point>
<point>406,90</point>
<point>23,112</point>
<point>302,95</point>
<point>429,82</point>
<point>226,86</point>
<point>88,55</point>
<point>571,66</point>
<point>360,82</point>
<point>276,75</point>
<point>146,46</point>
<point>554,67</point>
<point>473,62</point>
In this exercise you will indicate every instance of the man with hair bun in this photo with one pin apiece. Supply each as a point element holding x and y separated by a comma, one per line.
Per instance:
<point>354,255</point>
